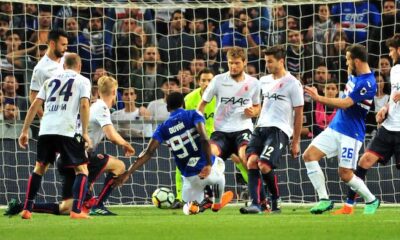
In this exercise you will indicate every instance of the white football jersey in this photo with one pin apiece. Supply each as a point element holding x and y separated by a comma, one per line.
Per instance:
<point>100,116</point>
<point>392,122</point>
<point>45,69</point>
<point>232,98</point>
<point>280,97</point>
<point>62,94</point>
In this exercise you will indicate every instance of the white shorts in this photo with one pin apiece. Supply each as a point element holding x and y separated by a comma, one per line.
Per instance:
<point>333,143</point>
<point>193,187</point>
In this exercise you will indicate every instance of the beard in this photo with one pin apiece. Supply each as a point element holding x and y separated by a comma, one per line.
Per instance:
<point>58,53</point>
<point>236,75</point>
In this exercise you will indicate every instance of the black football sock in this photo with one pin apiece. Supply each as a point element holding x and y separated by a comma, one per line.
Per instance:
<point>79,192</point>
<point>271,181</point>
<point>253,185</point>
<point>107,189</point>
<point>52,208</point>
<point>34,183</point>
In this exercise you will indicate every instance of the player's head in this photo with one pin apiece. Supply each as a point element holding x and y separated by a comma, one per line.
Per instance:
<point>275,59</point>
<point>237,61</point>
<point>174,101</point>
<point>73,61</point>
<point>107,86</point>
<point>356,55</point>
<point>58,42</point>
<point>393,44</point>
<point>204,78</point>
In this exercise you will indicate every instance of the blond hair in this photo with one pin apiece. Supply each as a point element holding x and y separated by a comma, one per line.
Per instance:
<point>107,85</point>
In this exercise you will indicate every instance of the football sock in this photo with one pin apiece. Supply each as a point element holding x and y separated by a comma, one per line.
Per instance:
<point>271,181</point>
<point>351,195</point>
<point>208,191</point>
<point>262,191</point>
<point>243,171</point>
<point>79,192</point>
<point>358,185</point>
<point>178,184</point>
<point>107,189</point>
<point>34,183</point>
<point>52,208</point>
<point>317,178</point>
<point>254,185</point>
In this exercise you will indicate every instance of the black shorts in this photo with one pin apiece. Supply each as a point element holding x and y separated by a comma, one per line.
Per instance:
<point>230,142</point>
<point>269,143</point>
<point>384,145</point>
<point>96,166</point>
<point>71,149</point>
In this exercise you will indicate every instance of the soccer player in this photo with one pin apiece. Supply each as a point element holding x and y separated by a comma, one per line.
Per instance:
<point>50,64</point>
<point>345,134</point>
<point>281,117</point>
<point>65,96</point>
<point>192,101</point>
<point>185,134</point>
<point>386,141</point>
<point>238,100</point>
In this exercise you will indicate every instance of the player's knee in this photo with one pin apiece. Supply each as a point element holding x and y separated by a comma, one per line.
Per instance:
<point>345,174</point>
<point>307,155</point>
<point>40,168</point>
<point>81,169</point>
<point>264,166</point>
<point>367,160</point>
<point>215,150</point>
<point>119,167</point>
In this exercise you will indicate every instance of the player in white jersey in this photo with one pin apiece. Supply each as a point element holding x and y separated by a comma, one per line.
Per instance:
<point>345,134</point>
<point>238,100</point>
<point>50,64</point>
<point>65,96</point>
<point>280,118</point>
<point>387,140</point>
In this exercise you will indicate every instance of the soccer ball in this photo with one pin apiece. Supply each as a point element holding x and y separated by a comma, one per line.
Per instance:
<point>163,198</point>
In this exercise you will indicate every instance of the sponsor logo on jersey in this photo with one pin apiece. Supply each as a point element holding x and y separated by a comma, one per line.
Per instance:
<point>235,101</point>
<point>211,115</point>
<point>274,96</point>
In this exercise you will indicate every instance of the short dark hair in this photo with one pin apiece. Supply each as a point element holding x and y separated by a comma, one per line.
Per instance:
<point>71,60</point>
<point>204,71</point>
<point>175,12</point>
<point>358,51</point>
<point>393,41</point>
<point>175,100</point>
<point>278,51</point>
<point>55,34</point>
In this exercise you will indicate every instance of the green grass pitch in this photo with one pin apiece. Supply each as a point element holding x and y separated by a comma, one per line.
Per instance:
<point>152,223</point>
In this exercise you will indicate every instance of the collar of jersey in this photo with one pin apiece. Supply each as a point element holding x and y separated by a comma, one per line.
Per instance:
<point>177,111</point>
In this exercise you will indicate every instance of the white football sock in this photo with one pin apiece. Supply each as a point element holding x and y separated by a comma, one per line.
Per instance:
<point>317,178</point>
<point>359,186</point>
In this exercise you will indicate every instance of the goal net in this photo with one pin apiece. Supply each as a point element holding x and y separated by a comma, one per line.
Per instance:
<point>145,44</point>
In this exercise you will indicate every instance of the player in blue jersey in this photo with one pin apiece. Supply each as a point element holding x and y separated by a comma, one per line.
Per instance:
<point>345,134</point>
<point>185,134</point>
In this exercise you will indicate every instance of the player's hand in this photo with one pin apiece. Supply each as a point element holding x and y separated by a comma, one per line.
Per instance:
<point>121,179</point>
<point>205,171</point>
<point>381,115</point>
<point>88,142</point>
<point>129,150</point>
<point>23,140</point>
<point>396,97</point>
<point>312,91</point>
<point>295,149</point>
<point>250,112</point>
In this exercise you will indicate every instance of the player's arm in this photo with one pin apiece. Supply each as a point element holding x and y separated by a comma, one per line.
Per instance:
<point>142,159</point>
<point>33,109</point>
<point>84,111</point>
<point>32,97</point>
<point>205,145</point>
<point>202,106</point>
<point>381,114</point>
<point>342,103</point>
<point>116,138</point>
<point>298,124</point>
